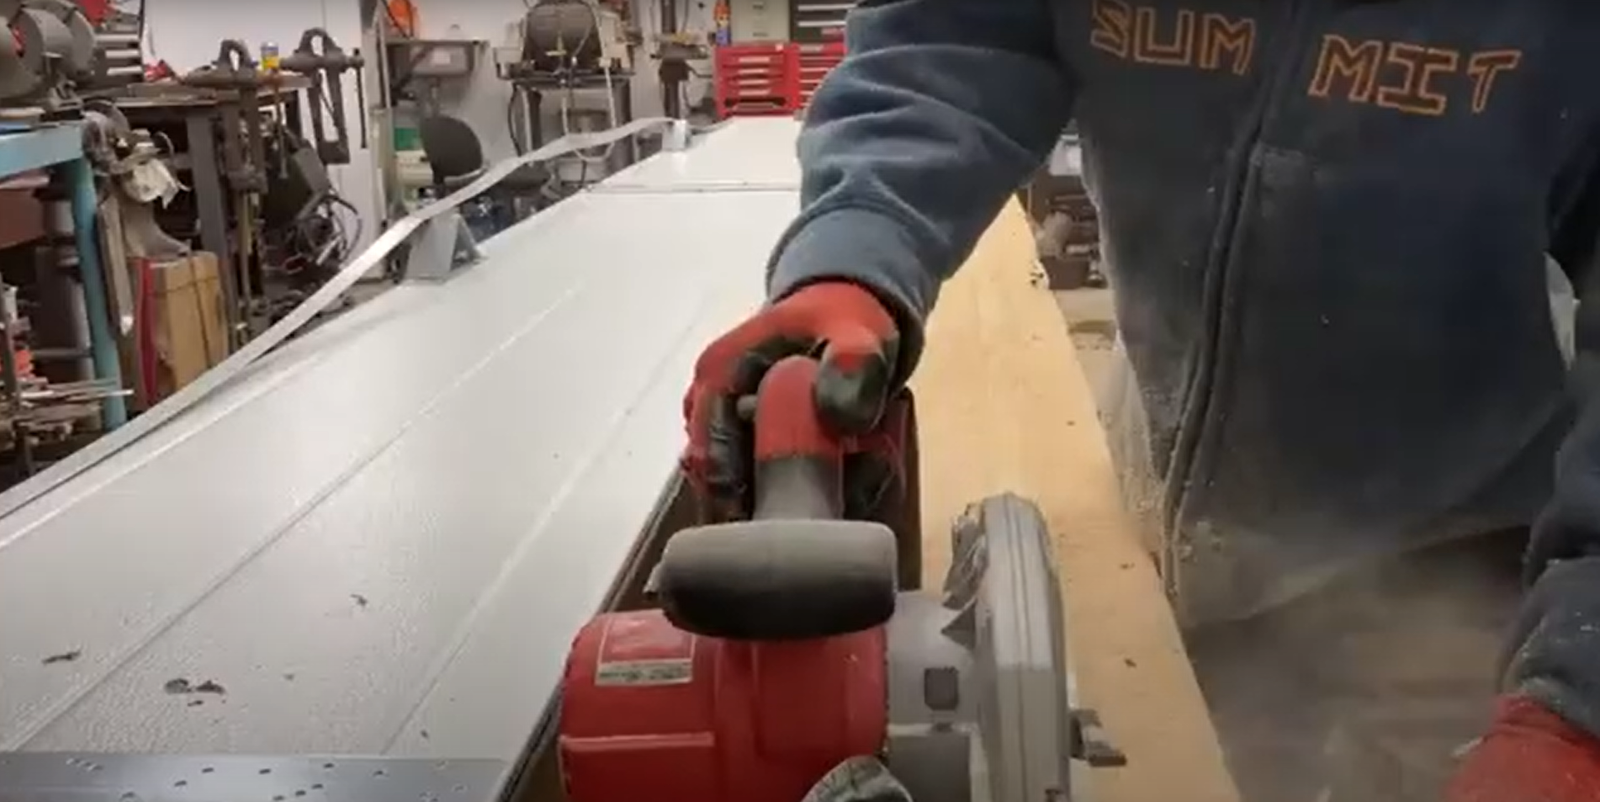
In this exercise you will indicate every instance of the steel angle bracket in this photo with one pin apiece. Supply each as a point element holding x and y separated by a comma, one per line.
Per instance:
<point>440,248</point>
<point>91,777</point>
<point>330,292</point>
<point>676,135</point>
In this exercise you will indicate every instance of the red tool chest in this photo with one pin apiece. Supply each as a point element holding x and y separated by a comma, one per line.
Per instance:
<point>771,77</point>
<point>756,79</point>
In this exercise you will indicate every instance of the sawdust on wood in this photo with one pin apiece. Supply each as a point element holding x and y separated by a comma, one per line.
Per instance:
<point>1003,406</point>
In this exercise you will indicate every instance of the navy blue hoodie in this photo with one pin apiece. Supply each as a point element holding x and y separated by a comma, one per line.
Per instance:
<point>1328,224</point>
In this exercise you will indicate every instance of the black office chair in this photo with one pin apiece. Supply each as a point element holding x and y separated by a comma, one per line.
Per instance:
<point>456,157</point>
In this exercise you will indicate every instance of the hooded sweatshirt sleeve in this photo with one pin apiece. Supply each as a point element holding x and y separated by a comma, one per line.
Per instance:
<point>940,110</point>
<point>1554,653</point>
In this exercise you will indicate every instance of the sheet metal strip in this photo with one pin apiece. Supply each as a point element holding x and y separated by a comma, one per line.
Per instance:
<point>85,458</point>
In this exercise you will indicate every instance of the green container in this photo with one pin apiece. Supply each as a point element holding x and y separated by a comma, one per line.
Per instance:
<point>407,139</point>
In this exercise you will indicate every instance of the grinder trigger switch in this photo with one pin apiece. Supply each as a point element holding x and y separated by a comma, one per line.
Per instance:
<point>797,569</point>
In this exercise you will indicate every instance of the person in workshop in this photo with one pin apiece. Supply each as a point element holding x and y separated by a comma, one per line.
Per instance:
<point>1334,229</point>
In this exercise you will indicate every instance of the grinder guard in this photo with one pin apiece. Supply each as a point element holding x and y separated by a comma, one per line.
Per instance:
<point>980,689</point>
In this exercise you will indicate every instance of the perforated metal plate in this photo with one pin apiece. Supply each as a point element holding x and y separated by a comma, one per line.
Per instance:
<point>86,777</point>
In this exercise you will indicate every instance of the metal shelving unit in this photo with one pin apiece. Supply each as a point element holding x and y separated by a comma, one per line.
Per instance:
<point>59,147</point>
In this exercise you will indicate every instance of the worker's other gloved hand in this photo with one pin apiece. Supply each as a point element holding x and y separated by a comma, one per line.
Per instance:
<point>840,323</point>
<point>1529,755</point>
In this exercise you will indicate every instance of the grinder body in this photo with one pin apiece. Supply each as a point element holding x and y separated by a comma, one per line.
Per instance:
<point>766,665</point>
<point>965,693</point>
<point>783,649</point>
<point>655,713</point>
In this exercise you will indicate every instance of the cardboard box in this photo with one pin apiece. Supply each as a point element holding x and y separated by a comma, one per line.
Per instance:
<point>190,326</point>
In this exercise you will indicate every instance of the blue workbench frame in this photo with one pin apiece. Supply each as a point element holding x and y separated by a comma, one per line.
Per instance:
<point>60,147</point>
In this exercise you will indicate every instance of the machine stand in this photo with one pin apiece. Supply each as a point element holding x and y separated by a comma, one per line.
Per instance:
<point>440,247</point>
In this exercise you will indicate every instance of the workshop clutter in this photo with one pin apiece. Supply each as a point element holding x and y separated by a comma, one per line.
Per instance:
<point>58,50</point>
<point>771,77</point>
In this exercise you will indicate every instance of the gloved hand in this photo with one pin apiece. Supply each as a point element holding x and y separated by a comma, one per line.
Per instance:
<point>840,323</point>
<point>1529,755</point>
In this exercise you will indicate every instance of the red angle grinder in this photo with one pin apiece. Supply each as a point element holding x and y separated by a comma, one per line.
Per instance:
<point>785,646</point>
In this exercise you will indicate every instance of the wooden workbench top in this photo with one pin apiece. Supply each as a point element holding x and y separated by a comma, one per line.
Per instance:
<point>1003,406</point>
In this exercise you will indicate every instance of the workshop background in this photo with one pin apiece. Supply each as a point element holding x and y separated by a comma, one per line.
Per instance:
<point>177,177</point>
<point>184,33</point>
<point>324,502</point>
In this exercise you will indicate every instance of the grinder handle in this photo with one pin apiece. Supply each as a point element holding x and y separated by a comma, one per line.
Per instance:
<point>797,570</point>
<point>798,464</point>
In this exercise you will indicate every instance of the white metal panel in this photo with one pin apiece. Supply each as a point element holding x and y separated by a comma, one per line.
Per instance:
<point>382,540</point>
<point>754,154</point>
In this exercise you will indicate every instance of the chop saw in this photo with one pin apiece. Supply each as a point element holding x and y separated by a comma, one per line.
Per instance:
<point>787,661</point>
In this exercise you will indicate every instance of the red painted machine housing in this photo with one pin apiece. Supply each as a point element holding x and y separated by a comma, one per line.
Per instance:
<point>650,712</point>
<point>96,10</point>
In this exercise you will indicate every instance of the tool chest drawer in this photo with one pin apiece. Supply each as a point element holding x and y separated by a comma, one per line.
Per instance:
<point>755,88</point>
<point>754,60</point>
<point>777,73</point>
<point>818,58</point>
<point>768,107</point>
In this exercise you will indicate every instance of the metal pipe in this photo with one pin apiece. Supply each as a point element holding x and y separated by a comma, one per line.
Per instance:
<point>114,411</point>
<point>60,284</point>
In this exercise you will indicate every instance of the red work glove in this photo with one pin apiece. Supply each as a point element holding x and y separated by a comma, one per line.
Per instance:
<point>842,324</point>
<point>1529,755</point>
